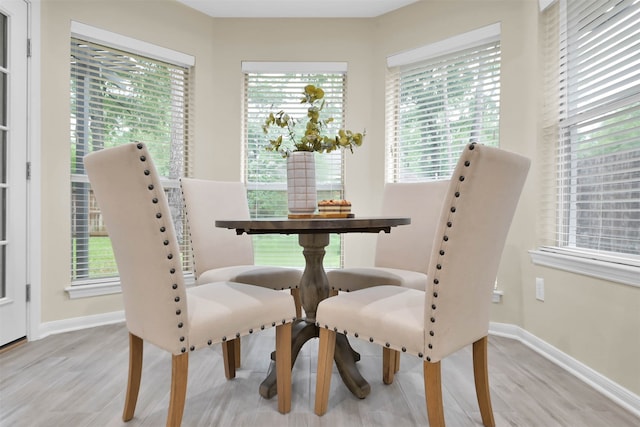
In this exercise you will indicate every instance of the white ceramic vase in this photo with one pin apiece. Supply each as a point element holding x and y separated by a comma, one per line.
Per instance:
<point>301,182</point>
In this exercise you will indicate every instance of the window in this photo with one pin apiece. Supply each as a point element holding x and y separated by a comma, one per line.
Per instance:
<point>591,131</point>
<point>439,98</point>
<point>279,86</point>
<point>117,97</point>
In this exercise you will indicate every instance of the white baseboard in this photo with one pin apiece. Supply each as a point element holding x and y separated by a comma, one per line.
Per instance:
<point>77,323</point>
<point>612,390</point>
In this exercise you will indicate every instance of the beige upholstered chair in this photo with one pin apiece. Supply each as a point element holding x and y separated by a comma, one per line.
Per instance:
<point>220,254</point>
<point>158,307</point>
<point>454,311</point>
<point>400,255</point>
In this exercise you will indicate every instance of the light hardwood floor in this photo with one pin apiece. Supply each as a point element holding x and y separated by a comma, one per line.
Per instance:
<point>79,379</point>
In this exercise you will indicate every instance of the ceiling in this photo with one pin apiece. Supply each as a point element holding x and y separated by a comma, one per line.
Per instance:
<point>296,8</point>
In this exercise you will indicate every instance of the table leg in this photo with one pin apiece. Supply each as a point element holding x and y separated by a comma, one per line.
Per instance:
<point>314,285</point>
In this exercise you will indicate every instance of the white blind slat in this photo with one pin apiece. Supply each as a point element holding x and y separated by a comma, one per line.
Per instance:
<point>119,97</point>
<point>592,122</point>
<point>434,107</point>
<point>271,87</point>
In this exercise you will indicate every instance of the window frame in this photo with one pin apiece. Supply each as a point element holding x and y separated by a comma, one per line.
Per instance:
<point>613,266</point>
<point>89,287</point>
<point>418,61</point>
<point>279,70</point>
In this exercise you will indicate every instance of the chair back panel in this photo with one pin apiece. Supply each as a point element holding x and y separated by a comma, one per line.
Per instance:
<point>138,221</point>
<point>205,202</point>
<point>476,216</point>
<point>409,247</point>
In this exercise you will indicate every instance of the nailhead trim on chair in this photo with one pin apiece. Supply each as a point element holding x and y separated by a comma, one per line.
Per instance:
<point>172,268</point>
<point>442,251</point>
<point>250,331</point>
<point>436,280</point>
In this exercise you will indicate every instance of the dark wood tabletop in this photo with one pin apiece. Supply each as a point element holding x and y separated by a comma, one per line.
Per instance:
<point>313,225</point>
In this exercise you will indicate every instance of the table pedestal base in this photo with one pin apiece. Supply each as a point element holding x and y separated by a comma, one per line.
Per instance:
<point>345,358</point>
<point>313,236</point>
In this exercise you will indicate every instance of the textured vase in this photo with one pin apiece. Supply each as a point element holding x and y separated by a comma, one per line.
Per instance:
<point>301,182</point>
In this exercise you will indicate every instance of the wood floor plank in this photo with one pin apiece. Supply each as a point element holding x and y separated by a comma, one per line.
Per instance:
<point>79,379</point>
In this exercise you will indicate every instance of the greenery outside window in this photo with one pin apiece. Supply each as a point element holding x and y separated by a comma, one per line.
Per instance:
<point>272,87</point>
<point>441,97</point>
<point>117,97</point>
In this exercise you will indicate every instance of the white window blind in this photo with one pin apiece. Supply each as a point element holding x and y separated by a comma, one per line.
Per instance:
<point>119,97</point>
<point>591,203</point>
<point>435,106</point>
<point>271,87</point>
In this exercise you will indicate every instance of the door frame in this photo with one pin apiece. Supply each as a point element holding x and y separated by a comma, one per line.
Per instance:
<point>34,205</point>
<point>33,198</point>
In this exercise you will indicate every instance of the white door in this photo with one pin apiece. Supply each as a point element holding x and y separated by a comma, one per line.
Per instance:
<point>13,170</point>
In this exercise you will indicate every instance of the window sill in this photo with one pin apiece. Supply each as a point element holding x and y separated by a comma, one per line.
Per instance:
<point>88,289</point>
<point>583,264</point>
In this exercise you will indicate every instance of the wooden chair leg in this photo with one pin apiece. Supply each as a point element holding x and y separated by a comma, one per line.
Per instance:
<point>283,367</point>
<point>326,350</point>
<point>135,374</point>
<point>481,377</point>
<point>179,376</point>
<point>236,351</point>
<point>389,363</point>
<point>397,368</point>
<point>295,292</point>
<point>333,292</point>
<point>433,394</point>
<point>229,359</point>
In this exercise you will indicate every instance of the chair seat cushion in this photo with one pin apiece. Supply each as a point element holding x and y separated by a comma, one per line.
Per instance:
<point>353,279</point>
<point>225,310</point>
<point>386,314</point>
<point>270,277</point>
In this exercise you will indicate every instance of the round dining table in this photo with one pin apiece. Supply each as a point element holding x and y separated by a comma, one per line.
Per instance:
<point>313,236</point>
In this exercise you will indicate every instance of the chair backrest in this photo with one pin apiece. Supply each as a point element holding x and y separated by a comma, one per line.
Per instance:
<point>408,247</point>
<point>205,202</point>
<point>471,233</point>
<point>137,218</point>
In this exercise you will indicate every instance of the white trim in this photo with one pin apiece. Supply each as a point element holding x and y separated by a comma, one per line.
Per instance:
<point>129,44</point>
<point>93,290</point>
<point>611,257</point>
<point>99,287</point>
<point>293,67</point>
<point>615,272</point>
<point>456,43</point>
<point>597,381</point>
<point>34,191</point>
<point>79,323</point>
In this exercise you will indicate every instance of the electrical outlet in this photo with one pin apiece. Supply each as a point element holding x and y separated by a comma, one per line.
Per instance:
<point>539,288</point>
